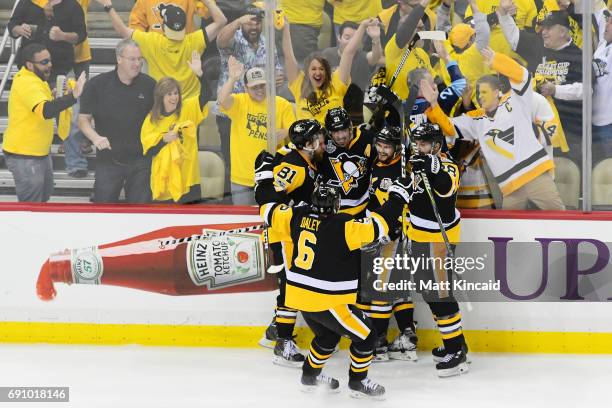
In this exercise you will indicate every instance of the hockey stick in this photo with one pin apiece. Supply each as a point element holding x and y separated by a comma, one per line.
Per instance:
<point>163,244</point>
<point>423,35</point>
<point>434,206</point>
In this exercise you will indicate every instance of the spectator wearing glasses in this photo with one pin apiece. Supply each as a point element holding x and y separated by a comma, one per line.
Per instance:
<point>119,101</point>
<point>29,134</point>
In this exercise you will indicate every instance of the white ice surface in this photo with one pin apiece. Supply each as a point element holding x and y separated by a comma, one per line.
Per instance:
<point>135,376</point>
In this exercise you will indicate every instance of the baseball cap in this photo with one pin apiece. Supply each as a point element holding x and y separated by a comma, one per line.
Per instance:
<point>460,35</point>
<point>255,76</point>
<point>175,20</point>
<point>556,17</point>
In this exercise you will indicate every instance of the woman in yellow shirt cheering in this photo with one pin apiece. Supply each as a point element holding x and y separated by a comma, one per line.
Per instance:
<point>169,136</point>
<point>315,88</point>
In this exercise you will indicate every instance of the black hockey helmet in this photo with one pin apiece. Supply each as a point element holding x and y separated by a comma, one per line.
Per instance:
<point>428,132</point>
<point>304,131</point>
<point>337,119</point>
<point>390,135</point>
<point>325,199</point>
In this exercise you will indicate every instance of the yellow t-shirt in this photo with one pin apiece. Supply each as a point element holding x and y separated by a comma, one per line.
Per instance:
<point>249,133</point>
<point>354,10</point>
<point>418,59</point>
<point>335,99</point>
<point>526,12</point>
<point>309,12</point>
<point>169,58</point>
<point>145,14</point>
<point>28,132</point>
<point>82,52</point>
<point>188,121</point>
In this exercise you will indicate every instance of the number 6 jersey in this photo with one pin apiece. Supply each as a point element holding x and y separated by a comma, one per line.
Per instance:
<point>323,269</point>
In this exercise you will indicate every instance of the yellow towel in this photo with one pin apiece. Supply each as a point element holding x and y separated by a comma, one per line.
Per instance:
<point>167,181</point>
<point>65,116</point>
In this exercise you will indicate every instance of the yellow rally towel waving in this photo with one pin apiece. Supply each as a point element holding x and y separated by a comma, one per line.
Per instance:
<point>168,178</point>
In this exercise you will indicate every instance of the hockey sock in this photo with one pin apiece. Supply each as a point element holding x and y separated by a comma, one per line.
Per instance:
<point>404,315</point>
<point>360,363</point>
<point>317,356</point>
<point>448,319</point>
<point>285,322</point>
<point>380,313</point>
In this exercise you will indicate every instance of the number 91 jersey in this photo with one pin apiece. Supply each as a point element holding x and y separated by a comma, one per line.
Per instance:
<point>294,174</point>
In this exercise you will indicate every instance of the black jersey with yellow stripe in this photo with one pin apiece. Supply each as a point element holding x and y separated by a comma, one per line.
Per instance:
<point>349,169</point>
<point>323,268</point>
<point>423,225</point>
<point>294,175</point>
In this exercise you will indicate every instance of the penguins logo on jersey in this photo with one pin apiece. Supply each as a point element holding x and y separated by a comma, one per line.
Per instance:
<point>600,68</point>
<point>348,170</point>
<point>501,141</point>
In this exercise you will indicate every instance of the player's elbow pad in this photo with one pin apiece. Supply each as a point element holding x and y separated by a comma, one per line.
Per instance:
<point>443,184</point>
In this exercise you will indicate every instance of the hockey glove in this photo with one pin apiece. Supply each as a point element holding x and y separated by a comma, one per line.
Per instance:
<point>387,96</point>
<point>425,163</point>
<point>263,167</point>
<point>401,189</point>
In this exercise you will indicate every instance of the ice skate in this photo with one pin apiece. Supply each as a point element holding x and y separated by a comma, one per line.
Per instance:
<point>321,381</point>
<point>439,353</point>
<point>404,346</point>
<point>287,354</point>
<point>366,388</point>
<point>452,364</point>
<point>381,350</point>
<point>268,340</point>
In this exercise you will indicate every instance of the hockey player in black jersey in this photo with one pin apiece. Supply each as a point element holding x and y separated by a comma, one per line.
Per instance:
<point>347,160</point>
<point>323,271</point>
<point>427,242</point>
<point>385,169</point>
<point>294,172</point>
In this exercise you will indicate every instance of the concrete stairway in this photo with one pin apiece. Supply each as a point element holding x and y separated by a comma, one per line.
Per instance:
<point>102,40</point>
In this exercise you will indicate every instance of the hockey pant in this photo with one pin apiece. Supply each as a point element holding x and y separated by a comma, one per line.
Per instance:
<point>328,326</point>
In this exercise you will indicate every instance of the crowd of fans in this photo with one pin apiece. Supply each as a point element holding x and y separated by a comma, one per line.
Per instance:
<point>144,126</point>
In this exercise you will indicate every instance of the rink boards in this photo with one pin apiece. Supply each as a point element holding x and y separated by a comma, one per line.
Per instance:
<point>111,315</point>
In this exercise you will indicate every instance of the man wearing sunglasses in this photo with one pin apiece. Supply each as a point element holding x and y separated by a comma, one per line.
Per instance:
<point>29,134</point>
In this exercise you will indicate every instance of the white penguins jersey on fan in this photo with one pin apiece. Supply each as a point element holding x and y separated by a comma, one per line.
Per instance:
<point>602,65</point>
<point>507,139</point>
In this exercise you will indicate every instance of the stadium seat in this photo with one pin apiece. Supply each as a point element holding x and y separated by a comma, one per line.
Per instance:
<point>209,138</point>
<point>212,174</point>
<point>602,183</point>
<point>567,179</point>
<point>325,33</point>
